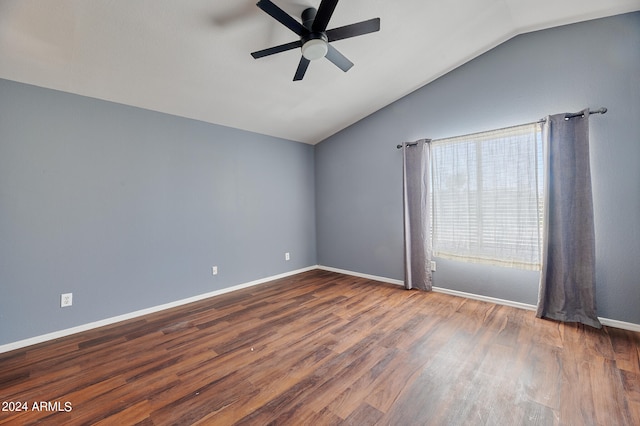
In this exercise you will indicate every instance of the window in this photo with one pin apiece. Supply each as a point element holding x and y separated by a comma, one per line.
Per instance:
<point>487,197</point>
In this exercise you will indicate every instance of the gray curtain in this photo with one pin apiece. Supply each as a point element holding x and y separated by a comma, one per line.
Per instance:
<point>417,210</point>
<point>567,282</point>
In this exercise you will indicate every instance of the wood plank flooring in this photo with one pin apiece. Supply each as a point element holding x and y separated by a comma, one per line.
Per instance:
<point>321,348</point>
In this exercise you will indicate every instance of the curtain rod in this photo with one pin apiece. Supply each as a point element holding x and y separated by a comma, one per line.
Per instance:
<point>602,110</point>
<point>408,144</point>
<point>567,116</point>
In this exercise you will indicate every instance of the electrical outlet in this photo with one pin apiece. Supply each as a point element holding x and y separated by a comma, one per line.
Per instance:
<point>214,270</point>
<point>66,299</point>
<point>287,256</point>
<point>433,265</point>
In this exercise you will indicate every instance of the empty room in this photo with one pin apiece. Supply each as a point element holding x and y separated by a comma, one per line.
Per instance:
<point>320,212</point>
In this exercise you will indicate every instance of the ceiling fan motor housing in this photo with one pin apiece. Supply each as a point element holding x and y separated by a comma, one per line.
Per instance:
<point>314,44</point>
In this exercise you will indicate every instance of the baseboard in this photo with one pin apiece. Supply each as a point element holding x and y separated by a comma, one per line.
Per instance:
<point>605,321</point>
<point>108,321</point>
<point>361,275</point>
<point>620,324</point>
<point>482,298</point>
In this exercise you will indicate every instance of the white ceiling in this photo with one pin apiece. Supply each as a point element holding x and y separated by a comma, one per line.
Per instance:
<point>192,58</point>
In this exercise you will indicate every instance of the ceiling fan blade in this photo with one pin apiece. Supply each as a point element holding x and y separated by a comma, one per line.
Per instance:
<point>281,16</point>
<point>354,30</point>
<point>276,49</point>
<point>325,10</point>
<point>338,59</point>
<point>302,68</point>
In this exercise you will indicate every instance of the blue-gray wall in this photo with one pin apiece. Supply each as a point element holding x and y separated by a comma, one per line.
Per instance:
<point>596,63</point>
<point>129,209</point>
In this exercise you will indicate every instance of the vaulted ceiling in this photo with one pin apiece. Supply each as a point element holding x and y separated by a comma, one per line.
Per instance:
<point>192,58</point>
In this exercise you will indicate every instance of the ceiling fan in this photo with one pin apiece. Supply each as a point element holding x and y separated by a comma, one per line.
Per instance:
<point>314,36</point>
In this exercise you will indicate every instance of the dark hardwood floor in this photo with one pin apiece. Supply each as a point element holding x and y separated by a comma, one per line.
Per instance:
<point>322,348</point>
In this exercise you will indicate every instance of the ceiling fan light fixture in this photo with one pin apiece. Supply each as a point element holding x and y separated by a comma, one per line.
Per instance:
<point>315,49</point>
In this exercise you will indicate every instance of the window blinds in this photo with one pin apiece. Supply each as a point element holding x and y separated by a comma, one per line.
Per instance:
<point>487,197</point>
